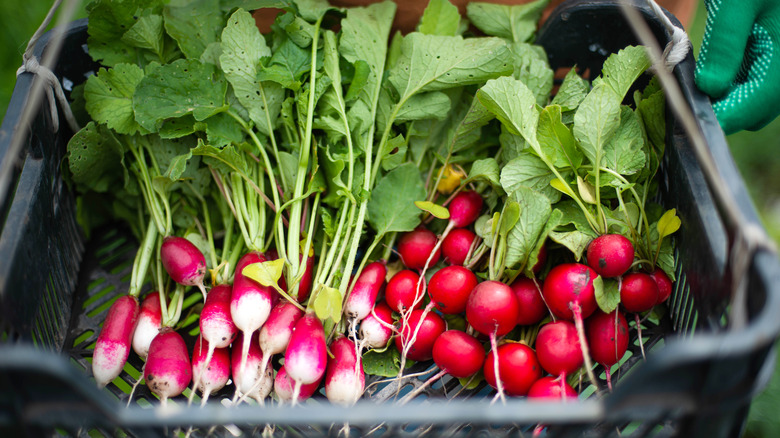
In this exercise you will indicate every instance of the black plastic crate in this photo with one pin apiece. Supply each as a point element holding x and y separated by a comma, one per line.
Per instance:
<point>698,380</point>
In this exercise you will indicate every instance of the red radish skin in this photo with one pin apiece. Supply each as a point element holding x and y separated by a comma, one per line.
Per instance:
<point>364,293</point>
<point>345,379</point>
<point>554,388</point>
<point>251,302</point>
<point>304,287</point>
<point>114,341</point>
<point>306,356</point>
<point>429,329</point>
<point>517,366</point>
<point>377,328</point>
<point>401,292</point>
<point>456,245</point>
<point>183,261</point>
<point>168,370</point>
<point>211,373</point>
<point>216,323</point>
<point>284,387</point>
<point>415,247</point>
<point>664,284</point>
<point>529,296</point>
<point>570,283</point>
<point>558,348</point>
<point>149,324</point>
<point>465,208</point>
<point>450,287</point>
<point>256,380</point>
<point>492,308</point>
<point>610,255</point>
<point>276,332</point>
<point>638,292</point>
<point>458,354</point>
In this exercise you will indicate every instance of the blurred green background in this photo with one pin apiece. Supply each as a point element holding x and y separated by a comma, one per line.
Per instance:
<point>756,155</point>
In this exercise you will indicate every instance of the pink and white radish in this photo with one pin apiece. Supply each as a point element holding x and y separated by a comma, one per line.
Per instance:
<point>529,296</point>
<point>404,290</point>
<point>377,328</point>
<point>455,247</point>
<point>450,288</point>
<point>610,255</point>
<point>168,370</point>
<point>250,303</point>
<point>183,262</point>
<point>277,330</point>
<point>149,324</point>
<point>284,387</point>
<point>607,335</point>
<point>517,367</point>
<point>306,356</point>
<point>255,380</point>
<point>365,291</point>
<point>210,366</point>
<point>345,379</point>
<point>114,341</point>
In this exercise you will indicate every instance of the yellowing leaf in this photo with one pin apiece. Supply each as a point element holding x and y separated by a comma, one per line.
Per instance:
<point>561,186</point>
<point>266,273</point>
<point>327,304</point>
<point>587,191</point>
<point>435,209</point>
<point>450,179</point>
<point>668,224</point>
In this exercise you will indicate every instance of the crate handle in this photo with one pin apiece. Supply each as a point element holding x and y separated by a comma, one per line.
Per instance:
<point>746,237</point>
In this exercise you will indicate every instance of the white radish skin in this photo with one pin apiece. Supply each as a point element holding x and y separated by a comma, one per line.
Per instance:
<point>149,324</point>
<point>168,370</point>
<point>306,355</point>
<point>216,324</point>
<point>345,379</point>
<point>376,329</point>
<point>251,302</point>
<point>211,373</point>
<point>114,341</point>
<point>256,379</point>
<point>284,387</point>
<point>365,291</point>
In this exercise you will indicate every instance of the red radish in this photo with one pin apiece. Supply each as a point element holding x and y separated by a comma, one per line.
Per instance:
<point>550,387</point>
<point>610,255</point>
<point>532,306</point>
<point>149,324</point>
<point>113,343</point>
<point>540,259</point>
<point>168,370</point>
<point>456,245</point>
<point>568,284</point>
<point>420,347</point>
<point>464,208</point>
<point>401,292</point>
<point>183,261</point>
<point>276,332</point>
<point>517,366</point>
<point>458,354</point>
<point>638,292</point>
<point>450,287</point>
<point>284,387</point>
<point>607,335</point>
<point>251,302</point>
<point>211,370</point>
<point>558,348</point>
<point>256,379</point>
<point>415,247</point>
<point>492,308</point>
<point>362,297</point>
<point>664,284</point>
<point>377,328</point>
<point>216,323</point>
<point>345,379</point>
<point>304,287</point>
<point>306,355</point>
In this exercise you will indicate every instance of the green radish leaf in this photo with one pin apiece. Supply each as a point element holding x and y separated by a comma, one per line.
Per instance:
<point>266,273</point>
<point>624,152</point>
<point>665,259</point>
<point>512,145</point>
<point>433,105</point>
<point>596,120</point>
<point>514,105</point>
<point>225,160</point>
<point>194,24</point>
<point>312,10</point>
<point>327,304</point>
<point>576,241</point>
<point>395,153</point>
<point>509,217</point>
<point>109,97</point>
<point>162,185</point>
<point>109,22</point>
<point>623,68</point>
<point>556,140</point>
<point>483,227</point>
<point>607,293</point>
<point>146,33</point>
<point>669,223</point>
<point>528,170</point>
<point>169,92</point>
<point>523,237</point>
<point>385,364</point>
<point>470,126</point>
<point>587,191</point>
<point>177,166</point>
<point>533,69</point>
<point>288,170</point>
<point>473,381</point>
<point>287,66</point>
<point>513,22</point>
<point>435,210</point>
<point>533,258</point>
<point>652,110</point>
<point>95,159</point>
<point>222,130</point>
<point>440,18</point>
<point>390,208</point>
<point>178,128</point>
<point>485,170</point>
<point>571,92</point>
<point>455,321</point>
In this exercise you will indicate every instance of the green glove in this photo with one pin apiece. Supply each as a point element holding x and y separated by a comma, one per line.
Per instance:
<point>739,62</point>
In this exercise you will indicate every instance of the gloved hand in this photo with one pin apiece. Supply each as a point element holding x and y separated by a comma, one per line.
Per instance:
<point>739,62</point>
